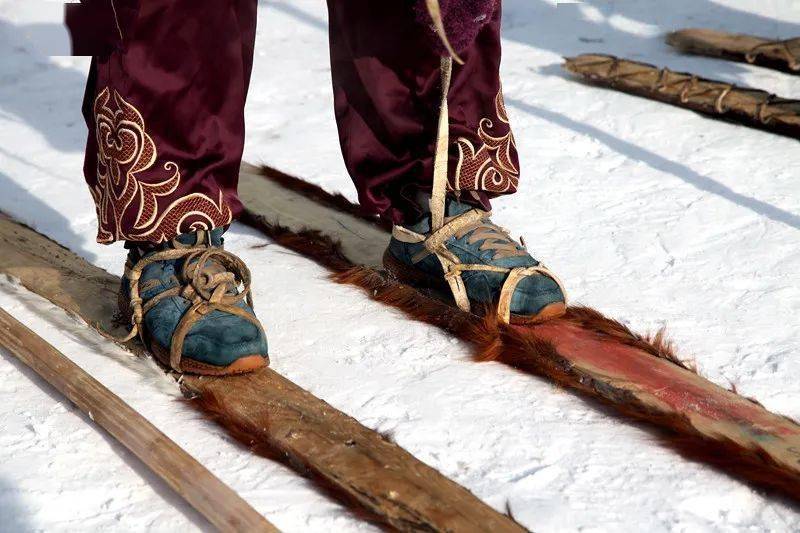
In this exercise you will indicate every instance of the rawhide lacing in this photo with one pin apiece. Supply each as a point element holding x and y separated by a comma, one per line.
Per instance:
<point>475,220</point>
<point>209,279</point>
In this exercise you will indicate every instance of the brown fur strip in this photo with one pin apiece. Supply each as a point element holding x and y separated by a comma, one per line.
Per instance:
<point>309,243</point>
<point>529,354</point>
<point>526,352</point>
<point>321,196</point>
<point>210,407</point>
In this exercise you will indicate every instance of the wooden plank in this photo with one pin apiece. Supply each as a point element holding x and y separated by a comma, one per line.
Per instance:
<point>584,350</point>
<point>269,412</point>
<point>297,212</point>
<point>183,473</point>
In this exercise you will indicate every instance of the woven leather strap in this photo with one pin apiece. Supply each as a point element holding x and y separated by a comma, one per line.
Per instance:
<point>208,278</point>
<point>453,268</point>
<point>442,229</point>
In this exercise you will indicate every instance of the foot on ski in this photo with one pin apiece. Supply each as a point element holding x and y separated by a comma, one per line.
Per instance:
<point>184,300</point>
<point>479,262</point>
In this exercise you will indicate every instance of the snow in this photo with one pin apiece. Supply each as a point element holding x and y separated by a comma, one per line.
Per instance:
<point>650,213</point>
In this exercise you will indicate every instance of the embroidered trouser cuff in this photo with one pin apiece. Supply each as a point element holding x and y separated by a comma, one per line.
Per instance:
<point>386,83</point>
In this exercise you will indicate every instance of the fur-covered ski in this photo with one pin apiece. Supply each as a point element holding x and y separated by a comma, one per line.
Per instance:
<point>751,107</point>
<point>266,412</point>
<point>778,54</point>
<point>599,357</point>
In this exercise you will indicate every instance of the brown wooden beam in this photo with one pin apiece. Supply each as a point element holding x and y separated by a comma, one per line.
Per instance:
<point>183,473</point>
<point>751,107</point>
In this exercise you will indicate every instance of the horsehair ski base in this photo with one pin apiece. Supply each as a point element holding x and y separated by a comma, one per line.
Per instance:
<point>266,412</point>
<point>213,499</point>
<point>638,376</point>
<point>751,107</point>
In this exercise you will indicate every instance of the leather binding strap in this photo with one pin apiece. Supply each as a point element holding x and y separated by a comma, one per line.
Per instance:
<point>442,228</point>
<point>207,286</point>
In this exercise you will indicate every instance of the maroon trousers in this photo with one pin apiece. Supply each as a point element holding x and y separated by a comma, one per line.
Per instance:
<point>165,109</point>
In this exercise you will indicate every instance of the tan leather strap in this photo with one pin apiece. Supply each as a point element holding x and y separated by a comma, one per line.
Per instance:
<point>453,268</point>
<point>406,235</point>
<point>440,235</point>
<point>441,156</point>
<point>515,276</point>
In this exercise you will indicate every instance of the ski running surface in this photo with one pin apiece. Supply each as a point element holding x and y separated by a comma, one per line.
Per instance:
<point>650,213</point>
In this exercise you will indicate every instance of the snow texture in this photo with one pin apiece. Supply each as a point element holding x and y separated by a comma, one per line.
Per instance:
<point>650,213</point>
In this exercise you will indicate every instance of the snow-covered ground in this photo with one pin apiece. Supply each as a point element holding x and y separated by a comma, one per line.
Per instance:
<point>651,213</point>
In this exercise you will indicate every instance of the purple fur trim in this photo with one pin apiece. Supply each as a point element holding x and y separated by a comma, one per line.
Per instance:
<point>463,19</point>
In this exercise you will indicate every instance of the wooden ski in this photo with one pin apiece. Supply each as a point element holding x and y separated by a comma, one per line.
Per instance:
<point>598,357</point>
<point>778,54</point>
<point>225,509</point>
<point>266,411</point>
<point>751,107</point>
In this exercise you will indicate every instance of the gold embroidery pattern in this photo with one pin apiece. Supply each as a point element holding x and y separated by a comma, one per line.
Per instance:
<point>126,150</point>
<point>492,167</point>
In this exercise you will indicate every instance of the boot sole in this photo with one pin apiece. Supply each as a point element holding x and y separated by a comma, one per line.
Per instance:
<point>243,365</point>
<point>415,278</point>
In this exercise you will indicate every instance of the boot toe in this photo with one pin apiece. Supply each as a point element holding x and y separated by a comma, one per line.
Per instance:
<point>538,297</point>
<point>218,339</point>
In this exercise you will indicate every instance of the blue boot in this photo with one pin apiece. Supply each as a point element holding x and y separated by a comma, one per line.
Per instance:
<point>184,300</point>
<point>479,263</point>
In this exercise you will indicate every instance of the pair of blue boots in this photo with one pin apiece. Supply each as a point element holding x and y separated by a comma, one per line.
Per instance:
<point>195,314</point>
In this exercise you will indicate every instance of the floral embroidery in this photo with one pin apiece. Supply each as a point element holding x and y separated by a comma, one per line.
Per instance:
<point>492,167</point>
<point>125,150</point>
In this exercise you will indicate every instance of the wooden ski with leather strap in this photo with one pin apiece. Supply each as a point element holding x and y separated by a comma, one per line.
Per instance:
<point>266,411</point>
<point>750,107</point>
<point>599,357</point>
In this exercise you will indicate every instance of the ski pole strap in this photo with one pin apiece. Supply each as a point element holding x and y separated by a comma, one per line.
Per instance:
<point>440,160</point>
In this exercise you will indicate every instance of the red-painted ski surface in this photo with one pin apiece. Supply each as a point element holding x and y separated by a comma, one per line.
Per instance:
<point>584,350</point>
<point>671,388</point>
